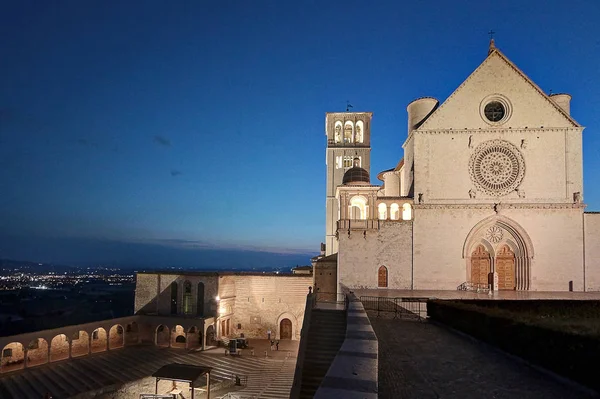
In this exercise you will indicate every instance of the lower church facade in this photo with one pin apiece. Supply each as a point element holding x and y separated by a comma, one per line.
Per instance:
<point>488,195</point>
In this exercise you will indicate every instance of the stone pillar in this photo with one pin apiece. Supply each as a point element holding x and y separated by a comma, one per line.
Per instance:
<point>25,354</point>
<point>90,342</point>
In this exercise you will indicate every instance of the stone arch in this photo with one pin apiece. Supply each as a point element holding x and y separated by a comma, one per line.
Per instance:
<point>176,332</point>
<point>493,233</point>
<point>80,344</point>
<point>116,337</point>
<point>37,352</point>
<point>394,211</point>
<point>382,211</point>
<point>132,333</point>
<point>13,357</point>
<point>99,340</point>
<point>406,211</point>
<point>59,348</point>
<point>292,319</point>
<point>211,339</point>
<point>337,132</point>
<point>194,338</point>
<point>163,335</point>
<point>348,132</point>
<point>358,207</point>
<point>360,132</point>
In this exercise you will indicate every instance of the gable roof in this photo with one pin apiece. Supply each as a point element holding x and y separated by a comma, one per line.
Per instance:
<point>495,52</point>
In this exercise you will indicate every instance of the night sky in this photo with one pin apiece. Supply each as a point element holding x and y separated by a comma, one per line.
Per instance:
<point>192,132</point>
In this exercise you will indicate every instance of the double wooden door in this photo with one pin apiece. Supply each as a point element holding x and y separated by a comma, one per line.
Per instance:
<point>505,267</point>
<point>285,329</point>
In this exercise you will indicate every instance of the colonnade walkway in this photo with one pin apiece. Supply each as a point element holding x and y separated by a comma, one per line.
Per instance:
<point>421,360</point>
<point>267,377</point>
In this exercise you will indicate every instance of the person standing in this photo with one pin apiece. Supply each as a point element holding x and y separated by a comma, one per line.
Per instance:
<point>269,334</point>
<point>277,344</point>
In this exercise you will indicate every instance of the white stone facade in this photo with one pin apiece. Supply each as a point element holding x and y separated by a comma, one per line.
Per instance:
<point>492,181</point>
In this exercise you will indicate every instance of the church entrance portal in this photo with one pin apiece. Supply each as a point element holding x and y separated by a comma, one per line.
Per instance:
<point>285,329</point>
<point>480,266</point>
<point>505,267</point>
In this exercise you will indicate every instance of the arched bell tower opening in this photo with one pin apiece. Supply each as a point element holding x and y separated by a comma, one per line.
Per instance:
<point>499,247</point>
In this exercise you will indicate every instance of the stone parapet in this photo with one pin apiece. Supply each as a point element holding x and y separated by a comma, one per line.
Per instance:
<point>353,373</point>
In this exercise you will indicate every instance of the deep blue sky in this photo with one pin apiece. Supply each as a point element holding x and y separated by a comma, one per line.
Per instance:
<point>201,124</point>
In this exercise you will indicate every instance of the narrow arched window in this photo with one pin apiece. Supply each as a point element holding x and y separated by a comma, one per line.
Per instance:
<point>338,132</point>
<point>382,277</point>
<point>174,298</point>
<point>187,297</point>
<point>348,132</point>
<point>359,135</point>
<point>200,300</point>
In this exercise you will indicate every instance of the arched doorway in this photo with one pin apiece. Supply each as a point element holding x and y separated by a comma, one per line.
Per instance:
<point>480,266</point>
<point>163,335</point>
<point>210,336</point>
<point>382,277</point>
<point>285,329</point>
<point>505,267</point>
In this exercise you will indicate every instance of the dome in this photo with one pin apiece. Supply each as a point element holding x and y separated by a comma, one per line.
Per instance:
<point>356,175</point>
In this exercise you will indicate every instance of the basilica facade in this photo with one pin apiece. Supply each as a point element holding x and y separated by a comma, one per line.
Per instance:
<point>488,194</point>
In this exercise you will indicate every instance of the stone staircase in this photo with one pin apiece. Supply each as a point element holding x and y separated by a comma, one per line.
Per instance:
<point>325,337</point>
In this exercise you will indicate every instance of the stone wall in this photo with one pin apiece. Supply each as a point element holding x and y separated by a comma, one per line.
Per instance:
<point>555,236</point>
<point>146,289</point>
<point>261,302</point>
<point>361,256</point>
<point>592,251</point>
<point>325,277</point>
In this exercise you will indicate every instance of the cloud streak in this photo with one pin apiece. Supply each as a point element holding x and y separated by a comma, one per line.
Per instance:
<point>163,141</point>
<point>175,172</point>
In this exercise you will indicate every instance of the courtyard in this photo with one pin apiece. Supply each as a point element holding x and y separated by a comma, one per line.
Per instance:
<point>126,373</point>
<point>420,359</point>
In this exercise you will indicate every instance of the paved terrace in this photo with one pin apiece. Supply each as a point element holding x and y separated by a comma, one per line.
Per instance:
<point>107,372</point>
<point>455,294</point>
<point>421,360</point>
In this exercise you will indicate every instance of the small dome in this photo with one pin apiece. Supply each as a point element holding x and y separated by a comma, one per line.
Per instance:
<point>356,175</point>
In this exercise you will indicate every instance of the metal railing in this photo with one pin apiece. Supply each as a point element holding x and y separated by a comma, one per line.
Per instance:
<point>477,287</point>
<point>330,300</point>
<point>403,308</point>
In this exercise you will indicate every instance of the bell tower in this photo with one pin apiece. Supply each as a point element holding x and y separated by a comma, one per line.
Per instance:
<point>348,137</point>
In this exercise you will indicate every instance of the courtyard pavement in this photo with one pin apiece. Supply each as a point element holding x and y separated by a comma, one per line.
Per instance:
<point>267,377</point>
<point>455,294</point>
<point>424,360</point>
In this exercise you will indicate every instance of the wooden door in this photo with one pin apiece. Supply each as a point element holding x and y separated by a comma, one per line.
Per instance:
<point>382,277</point>
<point>505,267</point>
<point>480,265</point>
<point>285,329</point>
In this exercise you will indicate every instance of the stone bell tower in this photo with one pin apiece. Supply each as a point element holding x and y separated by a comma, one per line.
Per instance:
<point>348,137</point>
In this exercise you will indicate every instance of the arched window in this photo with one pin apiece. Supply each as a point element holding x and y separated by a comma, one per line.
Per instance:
<point>394,212</point>
<point>358,137</point>
<point>358,207</point>
<point>382,211</point>
<point>338,132</point>
<point>406,212</point>
<point>173,298</point>
<point>382,277</point>
<point>187,297</point>
<point>348,132</point>
<point>200,300</point>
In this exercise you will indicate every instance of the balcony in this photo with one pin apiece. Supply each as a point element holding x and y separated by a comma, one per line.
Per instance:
<point>358,224</point>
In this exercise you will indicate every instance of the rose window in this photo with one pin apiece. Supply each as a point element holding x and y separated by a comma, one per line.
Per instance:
<point>497,167</point>
<point>494,234</point>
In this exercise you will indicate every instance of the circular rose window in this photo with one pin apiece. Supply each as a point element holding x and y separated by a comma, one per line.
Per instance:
<point>497,167</point>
